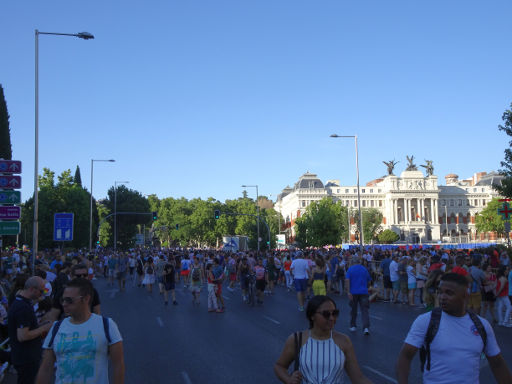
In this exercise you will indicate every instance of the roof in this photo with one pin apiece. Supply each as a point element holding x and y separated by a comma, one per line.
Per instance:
<point>308,181</point>
<point>492,178</point>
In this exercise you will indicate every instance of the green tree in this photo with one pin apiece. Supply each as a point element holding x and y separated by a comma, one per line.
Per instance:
<point>132,209</point>
<point>77,180</point>
<point>488,219</point>
<point>505,188</point>
<point>372,220</point>
<point>323,223</point>
<point>5,131</point>
<point>387,236</point>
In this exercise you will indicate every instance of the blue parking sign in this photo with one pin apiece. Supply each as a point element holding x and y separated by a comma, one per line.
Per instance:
<point>63,227</point>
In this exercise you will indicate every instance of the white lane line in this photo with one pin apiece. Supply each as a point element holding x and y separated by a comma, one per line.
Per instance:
<point>381,374</point>
<point>376,317</point>
<point>186,378</point>
<point>271,319</point>
<point>160,322</point>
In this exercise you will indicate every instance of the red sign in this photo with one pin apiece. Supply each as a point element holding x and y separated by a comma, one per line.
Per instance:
<point>505,211</point>
<point>10,182</point>
<point>11,213</point>
<point>10,166</point>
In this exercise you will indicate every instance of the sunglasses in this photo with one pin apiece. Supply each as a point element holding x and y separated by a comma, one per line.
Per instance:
<point>327,314</point>
<point>68,300</point>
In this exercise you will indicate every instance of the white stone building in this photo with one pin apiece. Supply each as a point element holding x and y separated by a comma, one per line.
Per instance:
<point>413,205</point>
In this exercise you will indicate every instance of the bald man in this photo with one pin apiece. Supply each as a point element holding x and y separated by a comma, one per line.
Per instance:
<point>25,334</point>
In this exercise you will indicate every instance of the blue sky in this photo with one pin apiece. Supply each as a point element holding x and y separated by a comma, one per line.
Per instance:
<point>196,98</point>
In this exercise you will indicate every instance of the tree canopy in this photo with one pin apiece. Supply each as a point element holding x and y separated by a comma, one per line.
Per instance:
<point>5,132</point>
<point>506,185</point>
<point>488,219</point>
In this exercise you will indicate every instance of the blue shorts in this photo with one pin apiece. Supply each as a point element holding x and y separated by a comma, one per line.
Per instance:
<point>396,285</point>
<point>300,284</point>
<point>411,286</point>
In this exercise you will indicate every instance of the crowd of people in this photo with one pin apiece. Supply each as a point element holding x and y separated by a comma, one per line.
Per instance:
<point>59,297</point>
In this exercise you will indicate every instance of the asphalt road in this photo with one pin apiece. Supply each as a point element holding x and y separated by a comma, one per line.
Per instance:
<point>186,344</point>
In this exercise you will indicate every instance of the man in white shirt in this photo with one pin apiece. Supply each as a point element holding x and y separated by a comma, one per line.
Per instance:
<point>300,269</point>
<point>458,343</point>
<point>81,344</point>
<point>394,277</point>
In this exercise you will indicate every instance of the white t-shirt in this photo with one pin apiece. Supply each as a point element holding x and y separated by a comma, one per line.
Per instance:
<point>393,271</point>
<point>411,275</point>
<point>456,348</point>
<point>82,351</point>
<point>300,268</point>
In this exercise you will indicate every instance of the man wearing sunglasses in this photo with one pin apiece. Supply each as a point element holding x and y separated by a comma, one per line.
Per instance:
<point>81,345</point>
<point>57,311</point>
<point>25,334</point>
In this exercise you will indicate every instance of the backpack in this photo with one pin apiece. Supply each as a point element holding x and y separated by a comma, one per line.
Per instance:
<point>57,324</point>
<point>196,274</point>
<point>433,327</point>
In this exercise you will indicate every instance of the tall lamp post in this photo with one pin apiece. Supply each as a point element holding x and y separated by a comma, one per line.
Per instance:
<point>115,210</point>
<point>90,216</point>
<point>81,35</point>
<point>361,239</point>
<point>258,206</point>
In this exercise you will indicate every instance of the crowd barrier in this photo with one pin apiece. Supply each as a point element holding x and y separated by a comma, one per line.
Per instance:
<point>391,247</point>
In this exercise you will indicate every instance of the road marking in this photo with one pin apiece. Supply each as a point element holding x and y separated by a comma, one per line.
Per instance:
<point>381,374</point>
<point>186,378</point>
<point>160,322</point>
<point>272,320</point>
<point>376,317</point>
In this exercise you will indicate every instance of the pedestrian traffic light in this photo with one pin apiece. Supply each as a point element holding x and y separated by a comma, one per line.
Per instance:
<point>217,214</point>
<point>155,216</point>
<point>177,226</point>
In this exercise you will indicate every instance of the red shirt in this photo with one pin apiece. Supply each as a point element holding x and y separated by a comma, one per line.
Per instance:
<point>460,271</point>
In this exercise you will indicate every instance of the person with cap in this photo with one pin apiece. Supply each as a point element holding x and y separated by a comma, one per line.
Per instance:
<point>25,334</point>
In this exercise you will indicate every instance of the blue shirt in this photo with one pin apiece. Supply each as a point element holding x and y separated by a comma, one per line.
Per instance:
<point>384,265</point>
<point>359,278</point>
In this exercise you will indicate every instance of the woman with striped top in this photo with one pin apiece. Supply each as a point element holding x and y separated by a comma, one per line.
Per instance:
<point>324,353</point>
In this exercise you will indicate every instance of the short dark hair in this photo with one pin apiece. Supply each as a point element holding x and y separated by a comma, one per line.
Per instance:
<point>84,286</point>
<point>313,306</point>
<point>455,278</point>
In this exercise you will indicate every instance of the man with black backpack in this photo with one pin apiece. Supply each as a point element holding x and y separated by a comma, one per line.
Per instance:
<point>451,341</point>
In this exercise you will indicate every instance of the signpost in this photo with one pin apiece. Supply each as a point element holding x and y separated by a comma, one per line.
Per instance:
<point>63,227</point>
<point>9,213</point>
<point>506,213</point>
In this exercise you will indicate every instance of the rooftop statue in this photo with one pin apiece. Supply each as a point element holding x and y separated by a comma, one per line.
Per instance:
<point>429,167</point>
<point>411,166</point>
<point>391,165</point>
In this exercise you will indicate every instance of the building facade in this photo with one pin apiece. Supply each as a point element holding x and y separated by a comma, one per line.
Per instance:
<point>413,205</point>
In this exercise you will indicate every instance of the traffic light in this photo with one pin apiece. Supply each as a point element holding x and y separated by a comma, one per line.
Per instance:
<point>216,214</point>
<point>155,216</point>
<point>177,226</point>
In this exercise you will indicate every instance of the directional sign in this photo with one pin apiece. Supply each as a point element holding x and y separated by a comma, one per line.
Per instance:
<point>505,211</point>
<point>10,197</point>
<point>9,227</point>
<point>10,213</point>
<point>10,182</point>
<point>10,166</point>
<point>63,227</point>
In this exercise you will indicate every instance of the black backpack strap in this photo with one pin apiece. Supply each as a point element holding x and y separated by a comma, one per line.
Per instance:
<point>480,327</point>
<point>298,345</point>
<point>106,329</point>
<point>55,329</point>
<point>433,327</point>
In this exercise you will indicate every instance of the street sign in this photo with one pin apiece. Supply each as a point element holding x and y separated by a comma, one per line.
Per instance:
<point>504,211</point>
<point>10,182</point>
<point>10,197</point>
<point>10,166</point>
<point>9,227</point>
<point>10,213</point>
<point>63,227</point>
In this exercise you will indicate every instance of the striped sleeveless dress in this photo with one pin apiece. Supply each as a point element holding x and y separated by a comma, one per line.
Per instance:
<point>321,362</point>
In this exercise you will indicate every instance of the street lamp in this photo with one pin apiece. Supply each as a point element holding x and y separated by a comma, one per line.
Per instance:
<point>258,206</point>
<point>361,239</point>
<point>115,210</point>
<point>81,35</point>
<point>90,216</point>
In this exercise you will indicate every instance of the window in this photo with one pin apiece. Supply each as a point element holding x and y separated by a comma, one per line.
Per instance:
<point>303,203</point>
<point>355,203</point>
<point>380,203</point>
<point>484,202</point>
<point>371,190</point>
<point>452,203</point>
<point>372,203</point>
<point>355,190</point>
<point>443,203</point>
<point>380,190</point>
<point>483,189</point>
<point>363,190</point>
<point>460,202</point>
<point>338,191</point>
<point>346,190</point>
<point>474,189</point>
<point>347,202</point>
<point>363,204</point>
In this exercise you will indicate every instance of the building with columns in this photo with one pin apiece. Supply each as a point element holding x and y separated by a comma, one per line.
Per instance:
<point>413,205</point>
